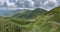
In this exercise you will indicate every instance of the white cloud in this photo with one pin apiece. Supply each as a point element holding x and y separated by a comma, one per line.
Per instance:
<point>9,4</point>
<point>49,4</point>
<point>54,1</point>
<point>16,0</point>
<point>31,3</point>
<point>2,2</point>
<point>42,3</point>
<point>46,2</point>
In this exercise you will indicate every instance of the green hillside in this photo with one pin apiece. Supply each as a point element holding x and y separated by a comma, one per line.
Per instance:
<point>38,20</point>
<point>49,22</point>
<point>30,13</point>
<point>7,26</point>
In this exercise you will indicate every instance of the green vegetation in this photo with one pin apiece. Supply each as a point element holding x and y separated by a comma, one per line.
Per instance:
<point>38,20</point>
<point>30,13</point>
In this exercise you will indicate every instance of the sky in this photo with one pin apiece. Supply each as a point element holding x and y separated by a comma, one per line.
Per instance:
<point>46,4</point>
<point>6,6</point>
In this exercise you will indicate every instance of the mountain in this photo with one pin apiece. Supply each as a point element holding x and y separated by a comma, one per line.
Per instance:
<point>54,14</point>
<point>48,22</point>
<point>10,13</point>
<point>43,22</point>
<point>30,13</point>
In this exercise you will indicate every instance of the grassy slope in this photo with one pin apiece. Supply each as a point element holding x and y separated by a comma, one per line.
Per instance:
<point>27,17</point>
<point>27,23</point>
<point>48,22</point>
<point>8,26</point>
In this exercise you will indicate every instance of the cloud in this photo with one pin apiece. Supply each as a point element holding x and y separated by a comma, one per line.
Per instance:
<point>51,3</point>
<point>47,4</point>
<point>2,2</point>
<point>58,1</point>
<point>10,4</point>
<point>31,3</point>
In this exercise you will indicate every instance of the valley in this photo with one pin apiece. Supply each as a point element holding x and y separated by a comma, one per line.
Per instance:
<point>37,20</point>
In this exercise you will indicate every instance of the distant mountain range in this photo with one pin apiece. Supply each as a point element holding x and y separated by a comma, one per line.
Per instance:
<point>22,12</point>
<point>30,13</point>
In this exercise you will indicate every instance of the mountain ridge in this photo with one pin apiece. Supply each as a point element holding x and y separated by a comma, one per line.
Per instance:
<point>47,22</point>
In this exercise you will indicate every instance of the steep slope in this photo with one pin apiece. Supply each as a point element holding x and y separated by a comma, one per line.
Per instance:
<point>55,14</point>
<point>49,22</point>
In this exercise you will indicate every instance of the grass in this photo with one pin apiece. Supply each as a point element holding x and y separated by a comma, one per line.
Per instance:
<point>48,22</point>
